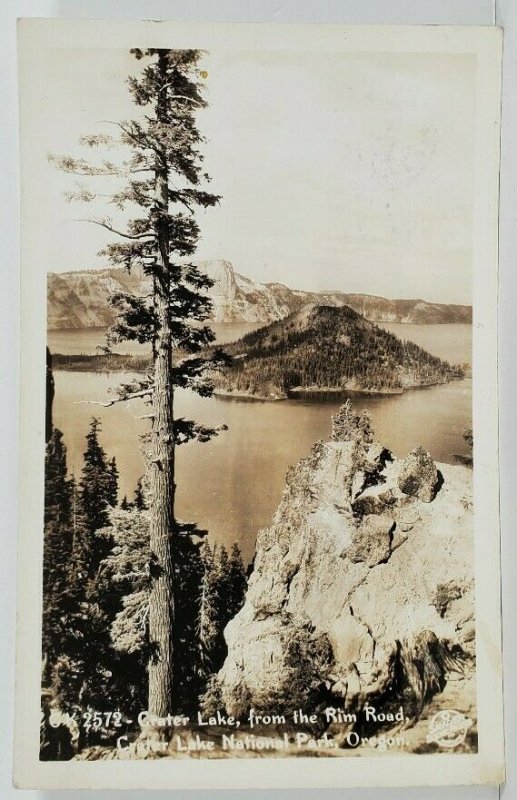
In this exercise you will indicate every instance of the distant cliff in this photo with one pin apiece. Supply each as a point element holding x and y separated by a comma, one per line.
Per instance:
<point>361,592</point>
<point>79,299</point>
<point>323,348</point>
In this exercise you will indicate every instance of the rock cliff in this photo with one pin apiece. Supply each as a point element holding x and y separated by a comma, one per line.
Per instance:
<point>79,299</point>
<point>361,591</point>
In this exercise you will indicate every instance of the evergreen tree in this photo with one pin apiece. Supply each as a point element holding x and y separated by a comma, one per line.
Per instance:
<point>139,501</point>
<point>189,673</point>
<point>125,582</point>
<point>113,474</point>
<point>237,581</point>
<point>164,177</point>
<point>57,484</point>
<point>222,594</point>
<point>81,555</point>
<point>209,610</point>
<point>72,651</point>
<point>57,545</point>
<point>79,666</point>
<point>98,484</point>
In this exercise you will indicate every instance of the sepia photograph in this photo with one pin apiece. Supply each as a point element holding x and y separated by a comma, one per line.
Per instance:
<point>259,286</point>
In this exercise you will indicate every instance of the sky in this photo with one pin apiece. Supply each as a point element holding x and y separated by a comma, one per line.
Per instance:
<point>345,171</point>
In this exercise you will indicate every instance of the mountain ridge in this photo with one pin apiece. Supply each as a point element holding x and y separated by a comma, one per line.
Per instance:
<point>80,299</point>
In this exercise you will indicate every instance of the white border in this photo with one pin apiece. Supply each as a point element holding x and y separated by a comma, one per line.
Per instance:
<point>406,770</point>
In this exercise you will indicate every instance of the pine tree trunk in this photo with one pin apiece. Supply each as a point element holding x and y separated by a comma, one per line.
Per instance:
<point>161,468</point>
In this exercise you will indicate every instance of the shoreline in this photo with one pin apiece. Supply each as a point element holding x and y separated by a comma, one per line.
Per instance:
<point>260,324</point>
<point>303,393</point>
<point>129,363</point>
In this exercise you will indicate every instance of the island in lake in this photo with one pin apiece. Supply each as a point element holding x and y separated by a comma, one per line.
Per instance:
<point>328,349</point>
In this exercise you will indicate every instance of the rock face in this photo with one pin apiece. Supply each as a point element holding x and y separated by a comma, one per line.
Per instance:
<point>238,299</point>
<point>79,299</point>
<point>361,593</point>
<point>419,476</point>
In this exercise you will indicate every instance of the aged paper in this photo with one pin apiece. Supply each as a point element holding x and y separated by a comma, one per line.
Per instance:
<point>259,472</point>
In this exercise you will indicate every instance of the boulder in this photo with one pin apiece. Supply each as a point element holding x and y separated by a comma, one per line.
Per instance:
<point>371,542</point>
<point>418,476</point>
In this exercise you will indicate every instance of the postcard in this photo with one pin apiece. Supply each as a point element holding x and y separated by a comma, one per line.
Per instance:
<point>259,523</point>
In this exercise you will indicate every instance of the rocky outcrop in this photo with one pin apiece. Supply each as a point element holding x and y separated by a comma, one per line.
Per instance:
<point>361,592</point>
<point>80,299</point>
<point>238,299</point>
<point>419,476</point>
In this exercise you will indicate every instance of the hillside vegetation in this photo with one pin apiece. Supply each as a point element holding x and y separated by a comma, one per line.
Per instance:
<point>323,348</point>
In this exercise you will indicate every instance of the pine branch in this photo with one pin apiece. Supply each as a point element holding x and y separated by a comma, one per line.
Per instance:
<point>139,137</point>
<point>78,166</point>
<point>199,102</point>
<point>133,396</point>
<point>185,430</point>
<point>117,232</point>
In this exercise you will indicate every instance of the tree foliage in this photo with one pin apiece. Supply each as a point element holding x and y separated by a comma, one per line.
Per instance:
<point>79,670</point>
<point>97,592</point>
<point>329,348</point>
<point>57,544</point>
<point>210,588</point>
<point>99,481</point>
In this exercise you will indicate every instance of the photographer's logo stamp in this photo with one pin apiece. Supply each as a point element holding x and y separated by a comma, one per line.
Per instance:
<point>448,729</point>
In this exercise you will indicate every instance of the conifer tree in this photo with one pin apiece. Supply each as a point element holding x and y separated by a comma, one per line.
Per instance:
<point>209,611</point>
<point>222,594</point>
<point>164,178</point>
<point>139,501</point>
<point>237,581</point>
<point>57,544</point>
<point>112,496</point>
<point>57,484</point>
<point>97,481</point>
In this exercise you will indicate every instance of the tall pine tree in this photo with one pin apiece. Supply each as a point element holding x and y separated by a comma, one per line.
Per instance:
<point>223,588</point>
<point>57,546</point>
<point>99,481</point>
<point>164,178</point>
<point>237,582</point>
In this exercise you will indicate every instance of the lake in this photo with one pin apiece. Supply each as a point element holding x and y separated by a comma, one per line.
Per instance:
<point>233,484</point>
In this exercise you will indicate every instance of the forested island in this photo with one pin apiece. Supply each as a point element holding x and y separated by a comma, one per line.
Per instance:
<point>328,349</point>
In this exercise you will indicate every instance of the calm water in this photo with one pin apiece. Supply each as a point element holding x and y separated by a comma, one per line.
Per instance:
<point>450,342</point>
<point>233,484</point>
<point>86,341</point>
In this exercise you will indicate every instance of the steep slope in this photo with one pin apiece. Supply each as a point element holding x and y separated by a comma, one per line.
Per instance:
<point>325,348</point>
<point>238,299</point>
<point>79,299</point>
<point>361,592</point>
